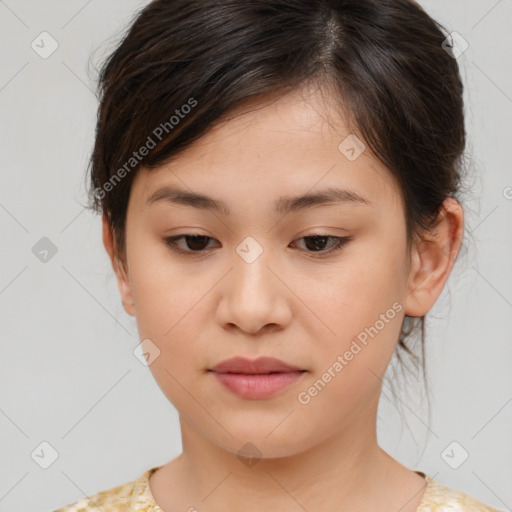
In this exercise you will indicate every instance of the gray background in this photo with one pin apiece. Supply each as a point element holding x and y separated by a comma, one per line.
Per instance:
<point>68,376</point>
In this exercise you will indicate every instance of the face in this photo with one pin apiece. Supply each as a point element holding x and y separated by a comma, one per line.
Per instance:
<point>321,285</point>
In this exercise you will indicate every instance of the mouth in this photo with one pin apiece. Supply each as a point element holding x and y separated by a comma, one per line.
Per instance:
<point>259,366</point>
<point>256,374</point>
<point>256,379</point>
<point>258,385</point>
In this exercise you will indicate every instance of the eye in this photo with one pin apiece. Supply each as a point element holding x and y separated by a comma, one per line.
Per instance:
<point>317,241</point>
<point>194,242</point>
<point>314,242</point>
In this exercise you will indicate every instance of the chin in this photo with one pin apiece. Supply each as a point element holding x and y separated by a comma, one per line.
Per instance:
<point>254,445</point>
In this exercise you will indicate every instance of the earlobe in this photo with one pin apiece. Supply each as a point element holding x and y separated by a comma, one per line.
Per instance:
<point>432,259</point>
<point>123,281</point>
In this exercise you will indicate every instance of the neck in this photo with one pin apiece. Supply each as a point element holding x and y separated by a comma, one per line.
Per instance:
<point>347,471</point>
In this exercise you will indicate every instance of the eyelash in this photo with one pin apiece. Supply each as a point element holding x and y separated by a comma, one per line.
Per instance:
<point>340,242</point>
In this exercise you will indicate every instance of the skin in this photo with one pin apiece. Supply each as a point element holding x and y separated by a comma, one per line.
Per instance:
<point>291,303</point>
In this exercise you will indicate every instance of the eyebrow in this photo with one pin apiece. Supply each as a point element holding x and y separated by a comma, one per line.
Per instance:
<point>283,205</point>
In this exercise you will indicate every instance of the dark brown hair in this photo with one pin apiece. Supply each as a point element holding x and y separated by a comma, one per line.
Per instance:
<point>183,65</point>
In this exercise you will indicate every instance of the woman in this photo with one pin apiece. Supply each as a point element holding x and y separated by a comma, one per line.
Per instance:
<point>278,183</point>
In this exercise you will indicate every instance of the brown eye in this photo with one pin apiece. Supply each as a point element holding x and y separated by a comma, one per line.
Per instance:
<point>194,243</point>
<point>317,243</point>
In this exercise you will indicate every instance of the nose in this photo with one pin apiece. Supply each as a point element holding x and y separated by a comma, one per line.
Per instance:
<point>253,298</point>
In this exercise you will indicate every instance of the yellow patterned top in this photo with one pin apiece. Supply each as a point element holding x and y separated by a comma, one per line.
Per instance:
<point>136,496</point>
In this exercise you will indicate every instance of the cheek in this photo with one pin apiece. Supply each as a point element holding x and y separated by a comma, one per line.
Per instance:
<point>166,297</point>
<point>360,304</point>
<point>168,305</point>
<point>365,316</point>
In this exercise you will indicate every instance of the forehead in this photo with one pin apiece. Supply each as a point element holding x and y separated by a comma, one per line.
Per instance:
<point>265,149</point>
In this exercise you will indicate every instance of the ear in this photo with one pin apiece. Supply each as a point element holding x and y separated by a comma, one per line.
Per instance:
<point>123,281</point>
<point>432,259</point>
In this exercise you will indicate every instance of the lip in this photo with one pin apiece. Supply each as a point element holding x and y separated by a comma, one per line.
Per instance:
<point>259,378</point>
<point>254,366</point>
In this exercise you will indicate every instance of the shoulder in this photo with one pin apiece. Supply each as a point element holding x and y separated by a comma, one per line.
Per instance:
<point>440,498</point>
<point>115,499</point>
<point>130,496</point>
